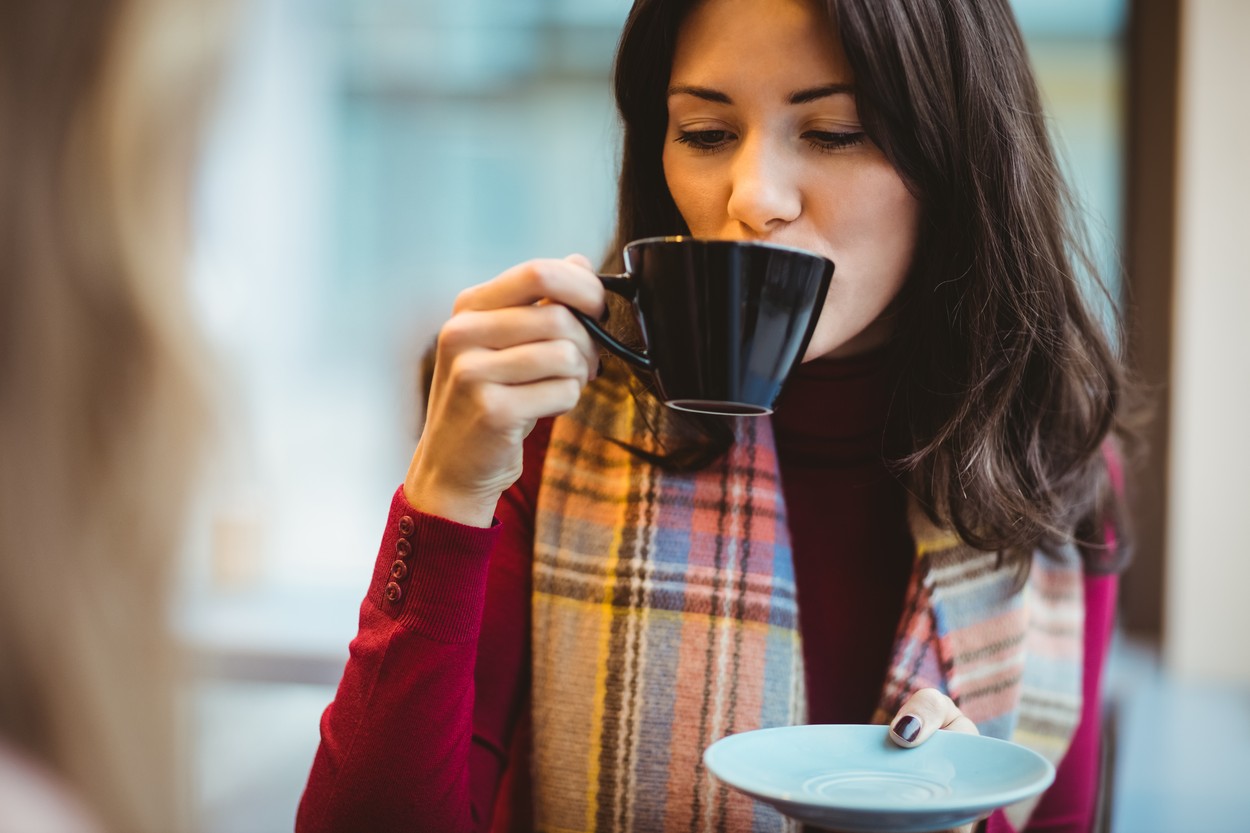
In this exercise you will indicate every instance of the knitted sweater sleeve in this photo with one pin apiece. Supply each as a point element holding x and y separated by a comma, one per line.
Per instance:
<point>419,732</point>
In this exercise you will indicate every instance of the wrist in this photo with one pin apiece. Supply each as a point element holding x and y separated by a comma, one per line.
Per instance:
<point>425,493</point>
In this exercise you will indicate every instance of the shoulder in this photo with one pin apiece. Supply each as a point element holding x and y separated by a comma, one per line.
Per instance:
<point>32,799</point>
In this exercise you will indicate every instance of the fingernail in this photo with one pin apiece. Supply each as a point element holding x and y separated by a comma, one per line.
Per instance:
<point>599,371</point>
<point>607,313</point>
<point>906,728</point>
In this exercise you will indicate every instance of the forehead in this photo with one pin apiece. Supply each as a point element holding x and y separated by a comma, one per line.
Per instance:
<point>752,40</point>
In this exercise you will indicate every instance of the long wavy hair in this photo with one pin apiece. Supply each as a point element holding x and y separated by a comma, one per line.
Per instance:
<point>100,391</point>
<point>1009,386</point>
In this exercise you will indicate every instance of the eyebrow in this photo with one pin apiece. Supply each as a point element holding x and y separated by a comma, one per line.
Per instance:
<point>797,97</point>
<point>815,93</point>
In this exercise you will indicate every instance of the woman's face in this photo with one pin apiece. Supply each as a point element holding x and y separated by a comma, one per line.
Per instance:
<point>764,143</point>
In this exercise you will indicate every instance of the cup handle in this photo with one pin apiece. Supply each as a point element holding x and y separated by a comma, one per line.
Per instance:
<point>623,286</point>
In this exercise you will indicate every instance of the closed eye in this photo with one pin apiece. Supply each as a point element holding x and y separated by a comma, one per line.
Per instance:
<point>705,140</point>
<point>829,141</point>
<point>710,141</point>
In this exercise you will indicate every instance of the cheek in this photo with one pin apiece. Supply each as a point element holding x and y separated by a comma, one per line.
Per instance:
<point>877,221</point>
<point>871,232</point>
<point>873,239</point>
<point>696,195</point>
<point>898,222</point>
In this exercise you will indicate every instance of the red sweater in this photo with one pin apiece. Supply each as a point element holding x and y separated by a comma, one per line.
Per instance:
<point>428,730</point>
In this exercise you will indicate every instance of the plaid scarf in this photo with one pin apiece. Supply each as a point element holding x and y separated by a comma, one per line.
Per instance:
<point>665,617</point>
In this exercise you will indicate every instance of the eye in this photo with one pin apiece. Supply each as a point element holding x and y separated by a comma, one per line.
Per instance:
<point>829,141</point>
<point>705,140</point>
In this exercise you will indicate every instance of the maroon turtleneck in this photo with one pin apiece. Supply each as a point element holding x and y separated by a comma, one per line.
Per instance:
<point>848,524</point>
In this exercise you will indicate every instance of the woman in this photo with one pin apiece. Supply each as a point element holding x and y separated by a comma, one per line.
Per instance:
<point>101,405</point>
<point>562,617</point>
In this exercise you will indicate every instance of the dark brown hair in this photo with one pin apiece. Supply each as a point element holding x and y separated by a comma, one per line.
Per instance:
<point>1009,387</point>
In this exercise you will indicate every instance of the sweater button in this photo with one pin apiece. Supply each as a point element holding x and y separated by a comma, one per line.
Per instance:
<point>402,548</point>
<point>406,525</point>
<point>393,592</point>
<point>398,570</point>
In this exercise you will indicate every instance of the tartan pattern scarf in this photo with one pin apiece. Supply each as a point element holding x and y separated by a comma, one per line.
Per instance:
<point>665,617</point>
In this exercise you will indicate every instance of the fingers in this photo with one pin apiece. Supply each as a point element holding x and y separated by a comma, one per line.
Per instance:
<point>499,411</point>
<point>503,328</point>
<point>512,353</point>
<point>924,713</point>
<point>547,398</point>
<point>521,365</point>
<point>569,281</point>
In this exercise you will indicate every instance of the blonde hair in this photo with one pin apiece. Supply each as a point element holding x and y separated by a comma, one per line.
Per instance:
<point>100,400</point>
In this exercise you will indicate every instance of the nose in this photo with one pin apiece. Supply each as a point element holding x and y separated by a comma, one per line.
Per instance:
<point>766,193</point>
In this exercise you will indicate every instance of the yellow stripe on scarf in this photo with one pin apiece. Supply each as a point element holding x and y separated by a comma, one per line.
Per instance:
<point>601,676</point>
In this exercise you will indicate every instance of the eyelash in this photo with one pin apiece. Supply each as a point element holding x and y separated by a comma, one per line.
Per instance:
<point>712,141</point>
<point>828,141</point>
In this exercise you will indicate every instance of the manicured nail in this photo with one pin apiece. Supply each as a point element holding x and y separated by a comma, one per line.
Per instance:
<point>607,313</point>
<point>599,372</point>
<point>907,728</point>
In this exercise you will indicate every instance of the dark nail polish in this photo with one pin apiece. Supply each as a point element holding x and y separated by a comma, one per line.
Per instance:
<point>607,313</point>
<point>599,372</point>
<point>907,728</point>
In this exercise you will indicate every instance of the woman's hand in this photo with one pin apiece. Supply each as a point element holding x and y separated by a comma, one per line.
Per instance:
<point>924,713</point>
<point>511,354</point>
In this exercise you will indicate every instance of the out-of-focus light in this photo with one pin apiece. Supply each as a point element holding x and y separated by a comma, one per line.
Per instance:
<point>1071,18</point>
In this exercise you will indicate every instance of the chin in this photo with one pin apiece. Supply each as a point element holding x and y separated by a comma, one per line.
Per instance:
<point>817,350</point>
<point>827,346</point>
<point>826,341</point>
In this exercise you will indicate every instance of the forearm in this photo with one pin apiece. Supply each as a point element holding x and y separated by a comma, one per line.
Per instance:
<point>396,741</point>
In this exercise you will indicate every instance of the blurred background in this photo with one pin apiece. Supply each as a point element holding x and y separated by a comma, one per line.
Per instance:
<point>370,158</point>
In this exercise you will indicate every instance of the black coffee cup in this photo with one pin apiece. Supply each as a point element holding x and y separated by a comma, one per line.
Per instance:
<point>724,321</point>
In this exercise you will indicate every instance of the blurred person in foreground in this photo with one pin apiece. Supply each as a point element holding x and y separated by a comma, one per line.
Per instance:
<point>100,404</point>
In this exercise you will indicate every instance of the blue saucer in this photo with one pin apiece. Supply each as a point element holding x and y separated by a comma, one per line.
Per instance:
<point>853,778</point>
